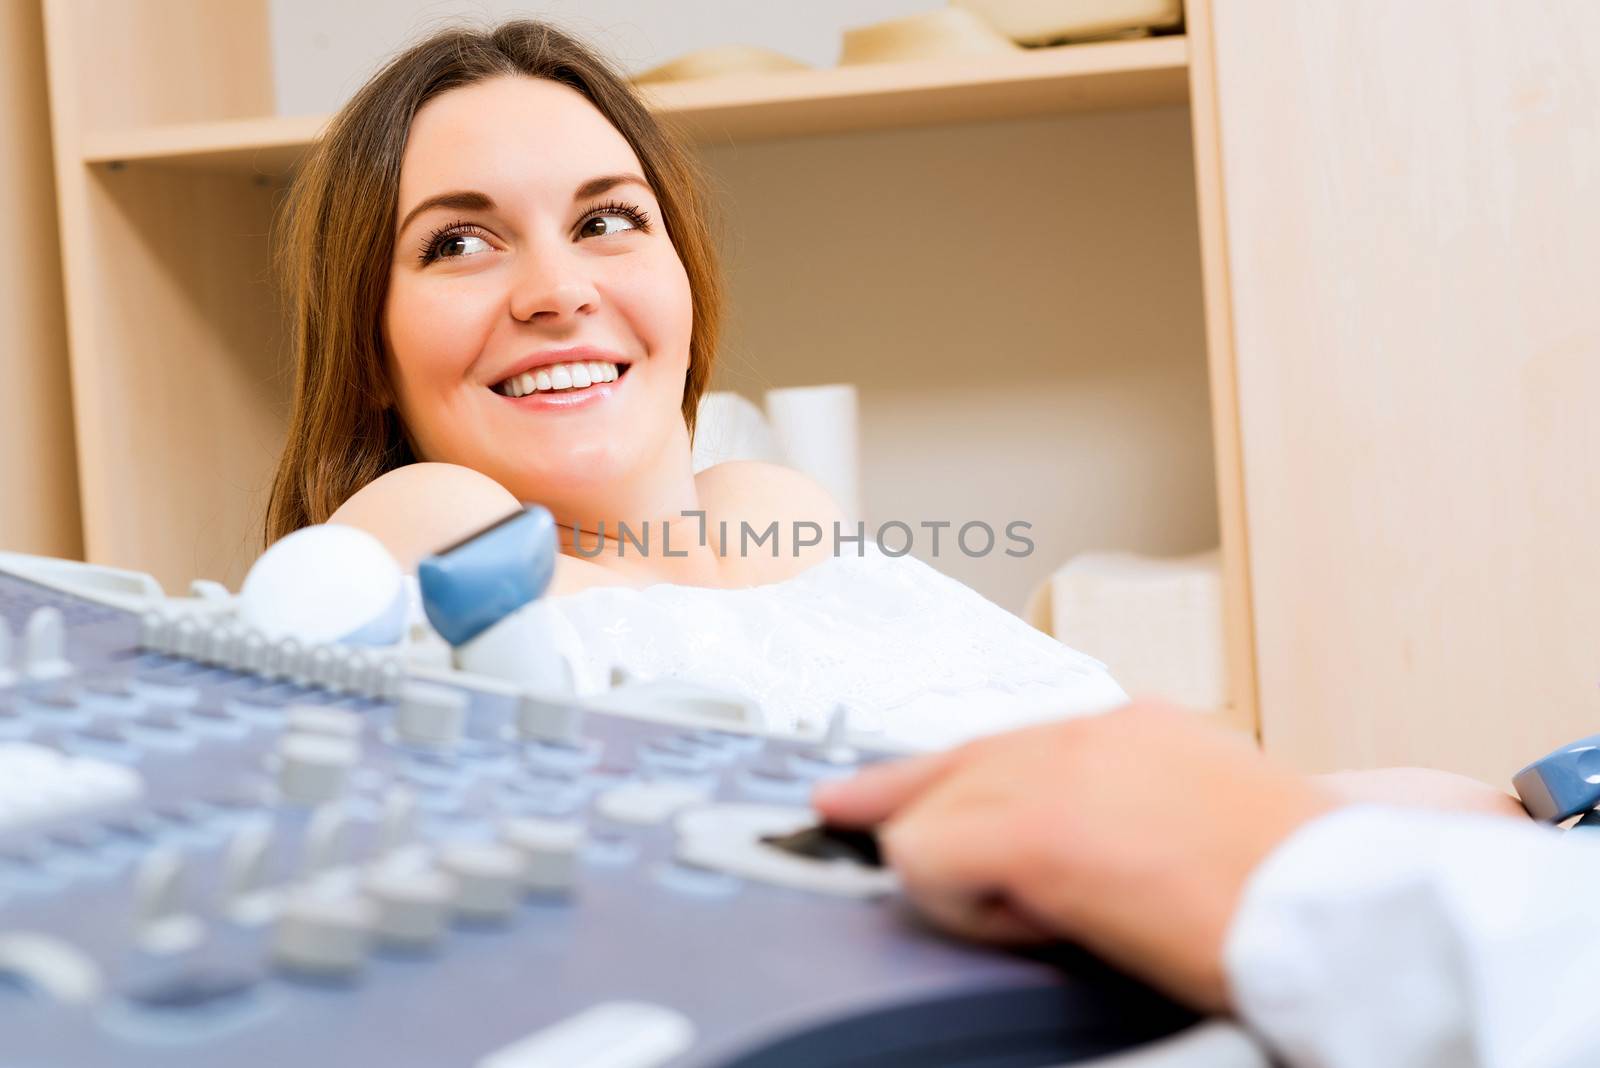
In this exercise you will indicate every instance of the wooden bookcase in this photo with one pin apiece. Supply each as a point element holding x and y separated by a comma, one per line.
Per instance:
<point>170,166</point>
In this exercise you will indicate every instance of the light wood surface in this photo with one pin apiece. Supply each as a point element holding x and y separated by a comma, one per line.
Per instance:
<point>1239,647</point>
<point>1098,77</point>
<point>1413,204</point>
<point>1020,352</point>
<point>38,473</point>
<point>271,145</point>
<point>171,319</point>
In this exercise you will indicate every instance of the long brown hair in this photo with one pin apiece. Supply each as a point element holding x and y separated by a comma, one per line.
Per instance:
<point>336,238</point>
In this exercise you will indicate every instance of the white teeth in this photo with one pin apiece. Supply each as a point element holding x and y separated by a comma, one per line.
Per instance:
<point>559,376</point>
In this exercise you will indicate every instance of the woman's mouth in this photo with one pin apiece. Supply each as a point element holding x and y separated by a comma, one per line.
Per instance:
<point>561,378</point>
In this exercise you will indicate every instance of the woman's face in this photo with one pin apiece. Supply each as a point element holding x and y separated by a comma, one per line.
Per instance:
<point>530,253</point>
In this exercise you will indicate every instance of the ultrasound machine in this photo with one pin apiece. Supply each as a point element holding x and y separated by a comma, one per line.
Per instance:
<point>277,828</point>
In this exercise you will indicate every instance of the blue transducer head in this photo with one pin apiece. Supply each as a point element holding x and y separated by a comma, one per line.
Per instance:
<point>470,586</point>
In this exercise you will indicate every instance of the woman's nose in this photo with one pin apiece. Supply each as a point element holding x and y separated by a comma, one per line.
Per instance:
<point>552,290</point>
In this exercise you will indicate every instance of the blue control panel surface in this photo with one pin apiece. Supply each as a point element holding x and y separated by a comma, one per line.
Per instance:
<point>283,857</point>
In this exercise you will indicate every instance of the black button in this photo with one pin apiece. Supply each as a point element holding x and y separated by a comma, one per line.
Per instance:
<point>830,843</point>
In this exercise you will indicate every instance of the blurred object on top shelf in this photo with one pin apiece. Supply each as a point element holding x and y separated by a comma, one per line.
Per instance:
<point>818,430</point>
<point>813,429</point>
<point>719,61</point>
<point>939,34</point>
<point>1050,22</point>
<point>1156,622</point>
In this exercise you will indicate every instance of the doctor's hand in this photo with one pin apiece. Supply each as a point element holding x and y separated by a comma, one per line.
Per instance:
<point>1130,833</point>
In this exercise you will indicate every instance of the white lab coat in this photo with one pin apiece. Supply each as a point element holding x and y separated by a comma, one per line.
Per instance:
<point>1380,937</point>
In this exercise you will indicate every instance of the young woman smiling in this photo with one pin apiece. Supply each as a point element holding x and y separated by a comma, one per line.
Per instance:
<point>505,290</point>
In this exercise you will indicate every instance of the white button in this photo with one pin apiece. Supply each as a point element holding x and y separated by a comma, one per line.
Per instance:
<point>40,783</point>
<point>325,934</point>
<point>283,658</point>
<point>648,802</point>
<point>50,965</point>
<point>488,878</point>
<point>413,904</point>
<point>551,849</point>
<point>360,673</point>
<point>399,821</point>
<point>8,677</point>
<point>835,747</point>
<point>615,1034</point>
<point>548,719</point>
<point>430,715</point>
<point>158,888</point>
<point>333,669</point>
<point>154,628</point>
<point>327,839</point>
<point>185,637</point>
<point>216,643</point>
<point>44,645</point>
<point>244,865</point>
<point>252,654</point>
<point>390,677</point>
<point>314,767</point>
<point>314,719</point>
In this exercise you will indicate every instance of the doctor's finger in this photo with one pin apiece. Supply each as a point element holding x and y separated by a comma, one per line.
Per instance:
<point>961,870</point>
<point>877,793</point>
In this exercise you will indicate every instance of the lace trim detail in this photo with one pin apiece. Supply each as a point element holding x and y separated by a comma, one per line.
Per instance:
<point>872,631</point>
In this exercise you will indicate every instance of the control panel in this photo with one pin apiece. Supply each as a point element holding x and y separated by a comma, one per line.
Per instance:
<point>221,848</point>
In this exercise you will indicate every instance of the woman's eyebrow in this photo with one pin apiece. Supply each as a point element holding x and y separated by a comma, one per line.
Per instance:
<point>472,200</point>
<point>607,182</point>
<point>460,199</point>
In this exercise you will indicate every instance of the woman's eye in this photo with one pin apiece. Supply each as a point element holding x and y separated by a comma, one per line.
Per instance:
<point>454,246</point>
<point>608,222</point>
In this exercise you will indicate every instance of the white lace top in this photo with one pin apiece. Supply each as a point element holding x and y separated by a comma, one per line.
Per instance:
<point>914,654</point>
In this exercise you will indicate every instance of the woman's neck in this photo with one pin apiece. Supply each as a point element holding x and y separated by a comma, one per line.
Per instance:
<point>650,527</point>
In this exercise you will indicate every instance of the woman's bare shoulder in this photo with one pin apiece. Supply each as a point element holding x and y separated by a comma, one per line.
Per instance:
<point>421,508</point>
<point>759,496</point>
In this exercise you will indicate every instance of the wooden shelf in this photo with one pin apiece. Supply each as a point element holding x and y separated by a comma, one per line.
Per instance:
<point>1075,78</point>
<point>261,146</point>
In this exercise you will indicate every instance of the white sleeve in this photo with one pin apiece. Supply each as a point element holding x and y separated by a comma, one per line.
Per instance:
<point>1409,938</point>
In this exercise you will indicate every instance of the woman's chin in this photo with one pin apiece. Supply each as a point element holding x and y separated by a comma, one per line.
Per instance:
<point>568,484</point>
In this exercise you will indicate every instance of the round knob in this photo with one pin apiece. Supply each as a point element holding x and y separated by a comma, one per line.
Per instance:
<point>323,934</point>
<point>314,767</point>
<point>413,904</point>
<point>548,719</point>
<point>550,850</point>
<point>488,879</point>
<point>430,715</point>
